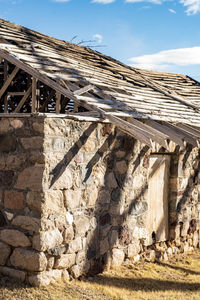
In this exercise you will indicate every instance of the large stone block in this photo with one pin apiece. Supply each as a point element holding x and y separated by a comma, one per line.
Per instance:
<point>45,278</point>
<point>65,261</point>
<point>72,198</point>
<point>16,274</point>
<point>133,249</point>
<point>29,260</point>
<point>14,238</point>
<point>47,240</point>
<point>63,181</point>
<point>4,125</point>
<point>82,225</point>
<point>4,253</point>
<point>68,234</point>
<point>34,200</point>
<point>121,167</point>
<point>31,178</point>
<point>53,201</point>
<point>117,257</point>
<point>35,142</point>
<point>7,143</point>
<point>75,245</point>
<point>13,200</point>
<point>27,223</point>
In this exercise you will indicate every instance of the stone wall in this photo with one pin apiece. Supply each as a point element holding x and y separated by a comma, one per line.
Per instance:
<point>74,199</point>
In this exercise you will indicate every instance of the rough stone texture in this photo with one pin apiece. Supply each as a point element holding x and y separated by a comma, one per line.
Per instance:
<point>14,200</point>
<point>117,257</point>
<point>31,178</point>
<point>72,198</point>
<point>75,245</point>
<point>68,234</point>
<point>17,274</point>
<point>27,223</point>
<point>47,240</point>
<point>14,238</point>
<point>79,196</point>
<point>4,253</point>
<point>45,278</point>
<point>28,260</point>
<point>82,224</point>
<point>65,261</point>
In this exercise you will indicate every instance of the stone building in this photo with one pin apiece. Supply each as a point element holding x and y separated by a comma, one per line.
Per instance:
<point>99,162</point>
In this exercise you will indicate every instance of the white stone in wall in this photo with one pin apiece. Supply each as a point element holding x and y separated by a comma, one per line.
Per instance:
<point>69,218</point>
<point>75,245</point>
<point>82,225</point>
<point>65,261</point>
<point>72,198</point>
<point>47,240</point>
<point>117,257</point>
<point>45,278</point>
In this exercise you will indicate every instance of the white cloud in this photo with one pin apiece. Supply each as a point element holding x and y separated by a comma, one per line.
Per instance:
<point>151,1</point>
<point>98,38</point>
<point>172,11</point>
<point>103,1</point>
<point>193,6</point>
<point>164,59</point>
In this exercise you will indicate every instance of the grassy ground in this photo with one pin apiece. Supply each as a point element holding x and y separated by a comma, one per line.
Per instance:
<point>178,279</point>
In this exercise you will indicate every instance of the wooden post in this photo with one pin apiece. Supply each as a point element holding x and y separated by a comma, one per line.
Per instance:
<point>58,98</point>
<point>34,95</point>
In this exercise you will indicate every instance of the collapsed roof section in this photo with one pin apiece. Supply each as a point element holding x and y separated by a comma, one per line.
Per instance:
<point>40,74</point>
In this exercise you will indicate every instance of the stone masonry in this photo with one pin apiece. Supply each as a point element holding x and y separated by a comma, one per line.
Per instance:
<point>74,199</point>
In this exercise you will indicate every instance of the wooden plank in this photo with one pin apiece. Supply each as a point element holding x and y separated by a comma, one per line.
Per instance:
<point>58,98</point>
<point>158,136</point>
<point>187,137</point>
<point>34,95</point>
<point>157,216</point>
<point>23,100</point>
<point>8,81</point>
<point>83,90</point>
<point>193,131</point>
<point>43,78</point>
<point>16,93</point>
<point>166,130</point>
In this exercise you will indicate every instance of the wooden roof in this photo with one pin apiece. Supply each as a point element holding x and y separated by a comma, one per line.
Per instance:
<point>123,95</point>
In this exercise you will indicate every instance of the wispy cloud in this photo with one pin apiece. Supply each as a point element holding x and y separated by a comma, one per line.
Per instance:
<point>164,59</point>
<point>172,11</point>
<point>98,38</point>
<point>103,1</point>
<point>193,6</point>
<point>151,1</point>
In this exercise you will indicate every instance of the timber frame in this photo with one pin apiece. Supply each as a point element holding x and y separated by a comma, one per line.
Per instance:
<point>43,75</point>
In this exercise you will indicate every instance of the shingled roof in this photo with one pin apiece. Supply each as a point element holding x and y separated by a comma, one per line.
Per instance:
<point>151,106</point>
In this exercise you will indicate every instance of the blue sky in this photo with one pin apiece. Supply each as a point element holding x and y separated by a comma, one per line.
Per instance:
<point>155,34</point>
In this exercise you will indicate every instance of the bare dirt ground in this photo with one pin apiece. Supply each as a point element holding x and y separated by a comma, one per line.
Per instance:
<point>178,279</point>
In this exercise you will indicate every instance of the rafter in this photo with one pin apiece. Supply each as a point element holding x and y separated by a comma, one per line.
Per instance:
<point>8,81</point>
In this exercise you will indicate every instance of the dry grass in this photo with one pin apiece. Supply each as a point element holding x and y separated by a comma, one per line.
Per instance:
<point>178,279</point>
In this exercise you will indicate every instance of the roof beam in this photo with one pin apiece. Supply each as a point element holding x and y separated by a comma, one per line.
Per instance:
<point>8,81</point>
<point>168,131</point>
